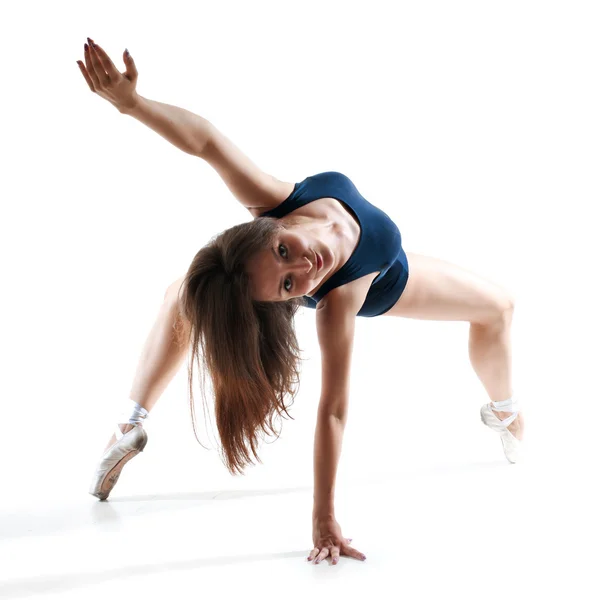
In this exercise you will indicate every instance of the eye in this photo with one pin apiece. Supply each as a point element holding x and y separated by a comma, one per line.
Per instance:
<point>287,283</point>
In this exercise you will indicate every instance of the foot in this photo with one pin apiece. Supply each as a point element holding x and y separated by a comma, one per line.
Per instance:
<point>124,427</point>
<point>516,427</point>
<point>116,455</point>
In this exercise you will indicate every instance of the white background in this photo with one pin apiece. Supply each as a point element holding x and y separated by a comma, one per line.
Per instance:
<point>474,125</point>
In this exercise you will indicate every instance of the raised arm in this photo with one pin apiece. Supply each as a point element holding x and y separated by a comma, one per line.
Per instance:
<point>252,187</point>
<point>191,133</point>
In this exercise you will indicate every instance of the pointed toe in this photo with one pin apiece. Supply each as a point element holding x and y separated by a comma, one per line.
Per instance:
<point>510,444</point>
<point>114,459</point>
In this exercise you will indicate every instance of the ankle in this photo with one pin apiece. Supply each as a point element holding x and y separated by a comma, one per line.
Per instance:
<point>501,414</point>
<point>124,427</point>
<point>132,414</point>
<point>506,409</point>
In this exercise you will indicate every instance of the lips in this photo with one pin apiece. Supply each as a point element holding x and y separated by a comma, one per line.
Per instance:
<point>319,262</point>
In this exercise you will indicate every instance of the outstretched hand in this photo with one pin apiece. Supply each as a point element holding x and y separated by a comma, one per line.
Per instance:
<point>329,541</point>
<point>104,79</point>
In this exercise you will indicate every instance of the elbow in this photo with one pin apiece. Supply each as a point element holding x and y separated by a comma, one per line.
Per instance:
<point>204,142</point>
<point>327,411</point>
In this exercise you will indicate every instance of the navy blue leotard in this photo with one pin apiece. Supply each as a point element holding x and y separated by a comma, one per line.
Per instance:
<point>379,247</point>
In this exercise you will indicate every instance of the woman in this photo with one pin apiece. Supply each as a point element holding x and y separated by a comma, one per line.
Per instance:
<point>317,243</point>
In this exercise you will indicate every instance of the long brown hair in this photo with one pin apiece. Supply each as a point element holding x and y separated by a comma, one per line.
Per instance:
<point>249,348</point>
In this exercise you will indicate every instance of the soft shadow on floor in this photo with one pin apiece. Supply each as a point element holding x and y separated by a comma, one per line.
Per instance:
<point>66,582</point>
<point>110,512</point>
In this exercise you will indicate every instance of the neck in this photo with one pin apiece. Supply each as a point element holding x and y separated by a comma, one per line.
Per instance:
<point>324,229</point>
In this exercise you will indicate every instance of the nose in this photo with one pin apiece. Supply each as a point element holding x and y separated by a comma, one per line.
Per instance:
<point>304,265</point>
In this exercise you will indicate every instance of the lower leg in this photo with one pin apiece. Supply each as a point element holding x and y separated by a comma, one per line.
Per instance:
<point>490,354</point>
<point>162,355</point>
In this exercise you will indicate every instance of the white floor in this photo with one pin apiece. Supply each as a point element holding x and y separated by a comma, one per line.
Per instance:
<point>434,528</point>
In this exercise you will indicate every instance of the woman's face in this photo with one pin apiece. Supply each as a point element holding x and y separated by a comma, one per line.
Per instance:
<point>290,267</point>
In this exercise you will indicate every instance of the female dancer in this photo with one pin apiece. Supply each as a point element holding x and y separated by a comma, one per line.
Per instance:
<point>317,243</point>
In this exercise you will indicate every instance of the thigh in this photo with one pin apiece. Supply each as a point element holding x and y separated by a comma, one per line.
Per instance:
<point>439,290</point>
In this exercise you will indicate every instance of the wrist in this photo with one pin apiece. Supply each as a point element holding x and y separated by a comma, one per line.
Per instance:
<point>323,512</point>
<point>129,106</point>
<point>320,519</point>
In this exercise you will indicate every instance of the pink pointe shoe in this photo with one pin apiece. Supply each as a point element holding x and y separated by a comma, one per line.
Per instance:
<point>115,458</point>
<point>510,444</point>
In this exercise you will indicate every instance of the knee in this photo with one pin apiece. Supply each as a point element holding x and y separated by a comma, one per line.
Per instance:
<point>173,307</point>
<point>505,308</point>
<point>174,295</point>
<point>174,292</point>
<point>508,304</point>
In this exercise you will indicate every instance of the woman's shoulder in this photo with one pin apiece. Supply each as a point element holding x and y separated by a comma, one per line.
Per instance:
<point>347,299</point>
<point>282,190</point>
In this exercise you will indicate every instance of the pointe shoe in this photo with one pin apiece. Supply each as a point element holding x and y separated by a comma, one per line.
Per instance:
<point>114,459</point>
<point>510,444</point>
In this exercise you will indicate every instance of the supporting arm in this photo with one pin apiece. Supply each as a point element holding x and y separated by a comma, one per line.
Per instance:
<point>328,447</point>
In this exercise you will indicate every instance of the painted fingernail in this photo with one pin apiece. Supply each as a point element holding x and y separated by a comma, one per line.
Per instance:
<point>86,47</point>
